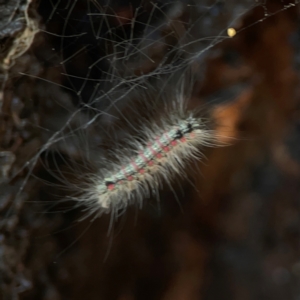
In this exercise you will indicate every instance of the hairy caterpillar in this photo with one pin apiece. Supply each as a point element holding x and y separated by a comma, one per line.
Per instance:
<point>162,154</point>
<point>155,138</point>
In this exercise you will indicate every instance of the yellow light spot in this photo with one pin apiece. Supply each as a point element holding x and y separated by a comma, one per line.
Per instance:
<point>231,32</point>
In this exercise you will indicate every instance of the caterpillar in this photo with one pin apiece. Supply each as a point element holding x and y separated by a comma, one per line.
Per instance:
<point>160,156</point>
<point>154,154</point>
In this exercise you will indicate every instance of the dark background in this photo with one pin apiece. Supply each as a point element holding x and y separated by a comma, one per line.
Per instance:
<point>236,232</point>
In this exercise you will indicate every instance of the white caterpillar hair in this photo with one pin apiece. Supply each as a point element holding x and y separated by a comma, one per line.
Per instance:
<point>158,148</point>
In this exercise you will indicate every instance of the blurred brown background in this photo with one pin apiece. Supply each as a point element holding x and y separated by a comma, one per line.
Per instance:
<point>235,234</point>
